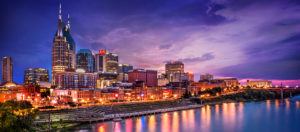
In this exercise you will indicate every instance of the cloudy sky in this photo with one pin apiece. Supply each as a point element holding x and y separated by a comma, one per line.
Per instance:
<point>256,39</point>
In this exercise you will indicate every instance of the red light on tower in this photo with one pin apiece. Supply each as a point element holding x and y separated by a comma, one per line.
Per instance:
<point>102,52</point>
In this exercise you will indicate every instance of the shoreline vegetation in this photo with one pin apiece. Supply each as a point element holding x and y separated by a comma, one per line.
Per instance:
<point>85,115</point>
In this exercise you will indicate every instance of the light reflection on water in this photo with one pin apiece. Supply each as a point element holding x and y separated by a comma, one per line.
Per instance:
<point>270,115</point>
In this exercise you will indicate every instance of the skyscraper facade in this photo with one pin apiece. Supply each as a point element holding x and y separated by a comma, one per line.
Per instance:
<point>112,62</point>
<point>7,69</point>
<point>63,51</point>
<point>100,61</point>
<point>174,67</point>
<point>174,71</point>
<point>33,76</point>
<point>106,62</point>
<point>85,60</point>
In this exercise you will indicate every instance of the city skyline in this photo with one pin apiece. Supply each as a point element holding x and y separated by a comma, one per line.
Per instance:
<point>180,35</point>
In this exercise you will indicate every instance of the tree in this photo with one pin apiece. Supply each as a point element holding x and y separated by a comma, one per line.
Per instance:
<point>195,94</point>
<point>187,94</point>
<point>17,116</point>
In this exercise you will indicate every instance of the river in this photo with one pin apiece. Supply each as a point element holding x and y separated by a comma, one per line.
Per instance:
<point>264,116</point>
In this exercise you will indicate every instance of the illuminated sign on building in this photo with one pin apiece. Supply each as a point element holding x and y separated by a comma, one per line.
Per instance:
<point>102,52</point>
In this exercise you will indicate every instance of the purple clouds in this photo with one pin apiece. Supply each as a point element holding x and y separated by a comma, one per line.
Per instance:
<point>245,39</point>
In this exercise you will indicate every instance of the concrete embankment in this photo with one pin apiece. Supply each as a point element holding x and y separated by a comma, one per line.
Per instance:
<point>92,117</point>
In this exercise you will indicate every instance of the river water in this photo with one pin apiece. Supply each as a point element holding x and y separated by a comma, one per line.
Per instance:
<point>265,116</point>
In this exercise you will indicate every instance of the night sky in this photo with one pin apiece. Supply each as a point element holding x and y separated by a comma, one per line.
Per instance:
<point>256,39</point>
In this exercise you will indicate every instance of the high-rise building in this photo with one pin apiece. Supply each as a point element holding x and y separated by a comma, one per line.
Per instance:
<point>190,76</point>
<point>149,77</point>
<point>100,61</point>
<point>206,77</point>
<point>106,62</point>
<point>63,51</point>
<point>7,69</point>
<point>123,72</point>
<point>85,60</point>
<point>174,69</point>
<point>112,62</point>
<point>34,76</point>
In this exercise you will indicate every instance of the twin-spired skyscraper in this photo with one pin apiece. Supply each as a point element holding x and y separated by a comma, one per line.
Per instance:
<point>63,51</point>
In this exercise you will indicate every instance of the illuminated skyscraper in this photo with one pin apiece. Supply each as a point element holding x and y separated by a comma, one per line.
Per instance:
<point>7,69</point>
<point>85,60</point>
<point>174,67</point>
<point>106,62</point>
<point>112,62</point>
<point>174,71</point>
<point>63,51</point>
<point>100,61</point>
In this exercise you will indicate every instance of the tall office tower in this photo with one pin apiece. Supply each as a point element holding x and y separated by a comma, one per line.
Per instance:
<point>206,77</point>
<point>7,69</point>
<point>106,62</point>
<point>100,61</point>
<point>123,72</point>
<point>85,60</point>
<point>112,62</point>
<point>63,51</point>
<point>33,76</point>
<point>174,69</point>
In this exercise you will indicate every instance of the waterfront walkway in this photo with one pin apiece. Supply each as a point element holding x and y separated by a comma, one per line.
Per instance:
<point>93,114</point>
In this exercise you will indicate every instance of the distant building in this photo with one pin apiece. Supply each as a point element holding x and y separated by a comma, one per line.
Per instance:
<point>206,77</point>
<point>180,77</point>
<point>112,62</point>
<point>106,62</point>
<point>162,81</point>
<point>63,50</point>
<point>230,82</point>
<point>259,83</point>
<point>85,60</point>
<point>80,95</point>
<point>174,67</point>
<point>190,76</point>
<point>203,85</point>
<point>33,76</point>
<point>100,61</point>
<point>149,77</point>
<point>7,69</point>
<point>75,79</point>
<point>123,72</point>
<point>106,79</point>
<point>173,70</point>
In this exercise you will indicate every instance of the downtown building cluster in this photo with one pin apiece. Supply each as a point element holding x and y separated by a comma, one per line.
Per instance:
<point>86,77</point>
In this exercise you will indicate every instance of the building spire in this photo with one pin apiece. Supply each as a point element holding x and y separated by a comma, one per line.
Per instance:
<point>59,16</point>
<point>69,21</point>
<point>59,30</point>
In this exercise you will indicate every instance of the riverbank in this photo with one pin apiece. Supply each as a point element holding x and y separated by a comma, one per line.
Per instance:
<point>102,113</point>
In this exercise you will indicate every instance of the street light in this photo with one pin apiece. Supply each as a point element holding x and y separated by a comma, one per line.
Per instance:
<point>142,95</point>
<point>117,96</point>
